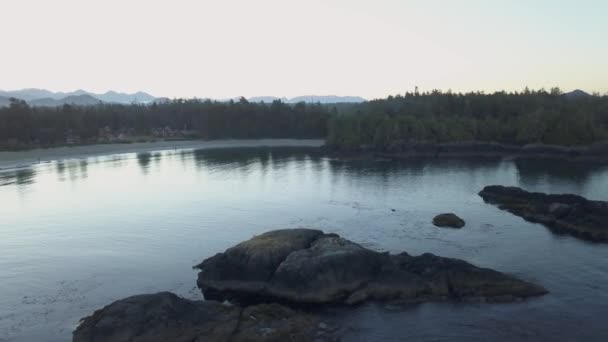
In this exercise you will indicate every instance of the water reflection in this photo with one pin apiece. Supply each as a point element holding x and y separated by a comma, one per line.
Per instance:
<point>244,158</point>
<point>115,161</point>
<point>84,170</point>
<point>145,158</point>
<point>72,170</point>
<point>534,175</point>
<point>60,170</point>
<point>18,177</point>
<point>560,176</point>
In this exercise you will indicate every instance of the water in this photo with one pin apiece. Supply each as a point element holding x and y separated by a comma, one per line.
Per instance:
<point>78,234</point>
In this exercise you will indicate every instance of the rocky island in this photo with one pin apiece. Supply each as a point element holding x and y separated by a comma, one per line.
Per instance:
<point>307,266</point>
<point>565,214</point>
<point>278,280</point>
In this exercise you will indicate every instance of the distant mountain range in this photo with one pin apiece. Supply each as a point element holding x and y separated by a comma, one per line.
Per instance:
<point>80,100</point>
<point>43,97</point>
<point>46,98</point>
<point>310,99</point>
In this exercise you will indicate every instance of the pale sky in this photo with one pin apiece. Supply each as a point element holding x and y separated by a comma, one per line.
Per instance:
<point>219,49</point>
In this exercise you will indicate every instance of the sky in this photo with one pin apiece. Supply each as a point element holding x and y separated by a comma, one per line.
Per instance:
<point>229,48</point>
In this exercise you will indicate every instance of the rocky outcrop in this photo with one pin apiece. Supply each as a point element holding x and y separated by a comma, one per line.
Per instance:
<point>304,266</point>
<point>166,317</point>
<point>448,220</point>
<point>566,214</point>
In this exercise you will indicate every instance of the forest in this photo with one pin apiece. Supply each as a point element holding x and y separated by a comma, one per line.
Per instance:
<point>528,117</point>
<point>23,126</point>
<point>547,117</point>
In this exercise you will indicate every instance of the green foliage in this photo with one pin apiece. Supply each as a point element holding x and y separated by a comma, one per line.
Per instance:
<point>513,118</point>
<point>22,125</point>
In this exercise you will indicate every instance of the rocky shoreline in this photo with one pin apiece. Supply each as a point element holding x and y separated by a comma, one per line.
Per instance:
<point>563,214</point>
<point>270,280</point>
<point>597,153</point>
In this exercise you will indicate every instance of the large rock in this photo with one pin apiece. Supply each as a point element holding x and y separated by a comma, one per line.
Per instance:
<point>448,220</point>
<point>309,267</point>
<point>569,214</point>
<point>166,317</point>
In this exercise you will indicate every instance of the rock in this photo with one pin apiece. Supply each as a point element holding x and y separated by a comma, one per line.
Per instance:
<point>559,210</point>
<point>167,317</point>
<point>563,214</point>
<point>317,268</point>
<point>448,220</point>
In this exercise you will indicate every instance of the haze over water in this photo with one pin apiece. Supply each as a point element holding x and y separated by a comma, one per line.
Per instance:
<point>78,234</point>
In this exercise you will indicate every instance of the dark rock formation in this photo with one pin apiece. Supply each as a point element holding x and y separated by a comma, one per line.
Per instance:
<point>166,317</point>
<point>296,266</point>
<point>448,220</point>
<point>306,266</point>
<point>569,214</point>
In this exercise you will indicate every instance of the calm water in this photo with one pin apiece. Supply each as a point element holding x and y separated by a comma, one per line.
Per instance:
<point>78,234</point>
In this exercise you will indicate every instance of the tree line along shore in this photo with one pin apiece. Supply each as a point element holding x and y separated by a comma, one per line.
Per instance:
<point>383,125</point>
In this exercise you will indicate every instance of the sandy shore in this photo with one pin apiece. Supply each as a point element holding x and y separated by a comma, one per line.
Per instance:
<point>11,160</point>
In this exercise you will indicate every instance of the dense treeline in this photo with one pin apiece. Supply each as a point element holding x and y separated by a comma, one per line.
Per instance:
<point>23,126</point>
<point>513,118</point>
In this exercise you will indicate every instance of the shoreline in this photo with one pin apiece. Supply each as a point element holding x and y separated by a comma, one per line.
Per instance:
<point>22,159</point>
<point>595,154</point>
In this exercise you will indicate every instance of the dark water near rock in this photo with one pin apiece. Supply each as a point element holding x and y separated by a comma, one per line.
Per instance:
<point>78,234</point>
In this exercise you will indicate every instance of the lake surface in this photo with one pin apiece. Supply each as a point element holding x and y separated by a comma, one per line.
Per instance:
<point>76,235</point>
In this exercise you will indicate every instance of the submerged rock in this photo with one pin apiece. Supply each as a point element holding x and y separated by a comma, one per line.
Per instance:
<point>166,317</point>
<point>305,266</point>
<point>569,214</point>
<point>448,220</point>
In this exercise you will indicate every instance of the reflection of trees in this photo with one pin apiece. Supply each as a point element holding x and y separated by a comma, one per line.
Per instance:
<point>381,173</point>
<point>145,158</point>
<point>84,168</point>
<point>74,170</point>
<point>574,176</point>
<point>60,169</point>
<point>533,170</point>
<point>26,176</point>
<point>18,177</point>
<point>245,157</point>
